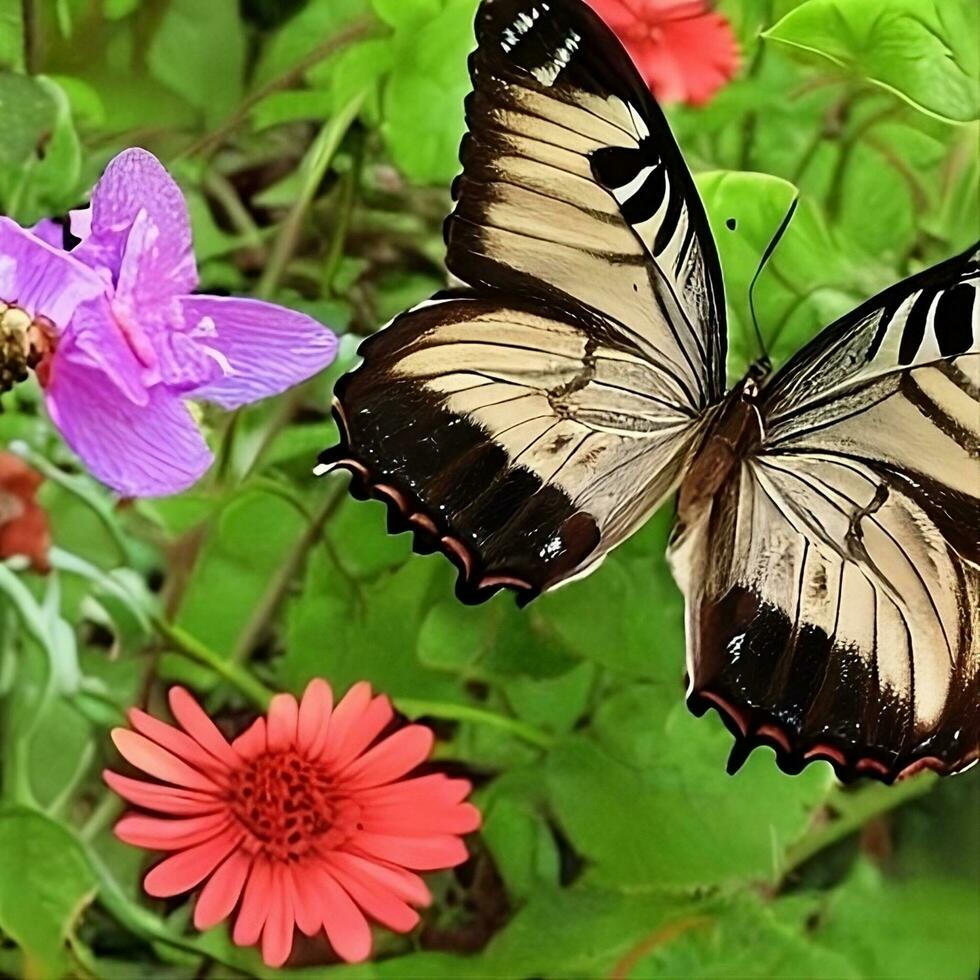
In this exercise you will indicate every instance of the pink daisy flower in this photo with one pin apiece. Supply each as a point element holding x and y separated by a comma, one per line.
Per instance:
<point>304,821</point>
<point>684,50</point>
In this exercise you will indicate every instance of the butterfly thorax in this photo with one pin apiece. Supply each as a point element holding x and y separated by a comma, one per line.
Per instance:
<point>735,433</point>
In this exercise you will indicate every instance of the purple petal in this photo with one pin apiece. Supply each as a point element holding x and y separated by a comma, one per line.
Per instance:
<point>96,339</point>
<point>179,360</point>
<point>136,181</point>
<point>49,231</point>
<point>264,348</point>
<point>139,451</point>
<point>80,223</point>
<point>43,280</point>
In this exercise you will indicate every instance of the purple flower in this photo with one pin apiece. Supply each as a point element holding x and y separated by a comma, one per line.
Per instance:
<point>131,345</point>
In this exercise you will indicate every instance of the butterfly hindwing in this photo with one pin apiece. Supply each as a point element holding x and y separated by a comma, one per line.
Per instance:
<point>833,583</point>
<point>532,422</point>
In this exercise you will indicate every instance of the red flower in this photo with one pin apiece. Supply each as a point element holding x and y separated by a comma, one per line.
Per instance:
<point>299,821</point>
<point>23,521</point>
<point>684,51</point>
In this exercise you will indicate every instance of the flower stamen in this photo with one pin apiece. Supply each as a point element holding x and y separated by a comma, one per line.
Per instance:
<point>25,342</point>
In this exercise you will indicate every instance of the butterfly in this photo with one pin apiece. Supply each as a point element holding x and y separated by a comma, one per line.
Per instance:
<point>529,421</point>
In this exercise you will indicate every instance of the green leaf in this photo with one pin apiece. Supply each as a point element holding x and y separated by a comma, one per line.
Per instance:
<point>198,52</point>
<point>423,102</point>
<point>45,883</point>
<point>237,562</point>
<point>12,34</point>
<point>702,827</point>
<point>745,938</point>
<point>924,51</point>
<point>523,847</point>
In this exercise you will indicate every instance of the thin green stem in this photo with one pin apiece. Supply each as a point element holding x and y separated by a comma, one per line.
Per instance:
<point>235,674</point>
<point>318,160</point>
<point>480,716</point>
<point>853,808</point>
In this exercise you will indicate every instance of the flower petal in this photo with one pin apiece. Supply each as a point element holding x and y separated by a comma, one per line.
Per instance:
<point>396,755</point>
<point>283,716</point>
<point>421,853</point>
<point>406,885</point>
<point>49,231</point>
<point>138,451</point>
<point>42,279</point>
<point>222,890</point>
<point>162,799</point>
<point>421,819</point>
<point>378,902</point>
<point>252,741</point>
<point>277,935</point>
<point>255,905</point>
<point>305,899</point>
<point>265,348</point>
<point>181,872</point>
<point>372,722</point>
<point>162,834</point>
<point>314,716</point>
<point>437,788</point>
<point>193,719</point>
<point>345,925</point>
<point>182,746</point>
<point>136,181</point>
<point>345,717</point>
<point>156,761</point>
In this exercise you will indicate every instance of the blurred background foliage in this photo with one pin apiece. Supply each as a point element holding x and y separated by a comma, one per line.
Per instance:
<point>315,140</point>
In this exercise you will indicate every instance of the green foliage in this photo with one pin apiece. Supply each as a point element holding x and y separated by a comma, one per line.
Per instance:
<point>315,141</point>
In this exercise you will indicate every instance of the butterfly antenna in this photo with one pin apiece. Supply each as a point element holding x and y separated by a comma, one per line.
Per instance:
<point>770,248</point>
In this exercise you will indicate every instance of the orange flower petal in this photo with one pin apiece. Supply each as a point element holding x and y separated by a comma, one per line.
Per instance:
<point>222,890</point>
<point>175,741</point>
<point>193,719</point>
<point>372,722</point>
<point>420,853</point>
<point>277,934</point>
<point>345,716</point>
<point>162,834</point>
<point>163,799</point>
<point>183,871</point>
<point>406,885</point>
<point>314,716</point>
<point>345,925</point>
<point>395,756</point>
<point>305,900</point>
<point>255,905</point>
<point>283,718</point>
<point>377,902</point>
<point>435,787</point>
<point>157,761</point>
<point>252,742</point>
<point>421,820</point>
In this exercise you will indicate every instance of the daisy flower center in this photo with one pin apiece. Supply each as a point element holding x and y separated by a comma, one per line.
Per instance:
<point>289,806</point>
<point>26,342</point>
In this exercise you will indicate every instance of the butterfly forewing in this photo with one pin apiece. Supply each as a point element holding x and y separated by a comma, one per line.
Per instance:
<point>833,582</point>
<point>530,424</point>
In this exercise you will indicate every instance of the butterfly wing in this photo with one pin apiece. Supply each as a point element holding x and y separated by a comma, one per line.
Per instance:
<point>833,583</point>
<point>527,424</point>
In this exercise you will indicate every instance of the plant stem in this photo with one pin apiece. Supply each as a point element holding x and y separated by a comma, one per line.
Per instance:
<point>463,712</point>
<point>357,31</point>
<point>280,582</point>
<point>318,160</point>
<point>854,808</point>
<point>235,674</point>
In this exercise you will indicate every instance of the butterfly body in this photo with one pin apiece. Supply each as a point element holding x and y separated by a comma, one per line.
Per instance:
<point>529,422</point>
